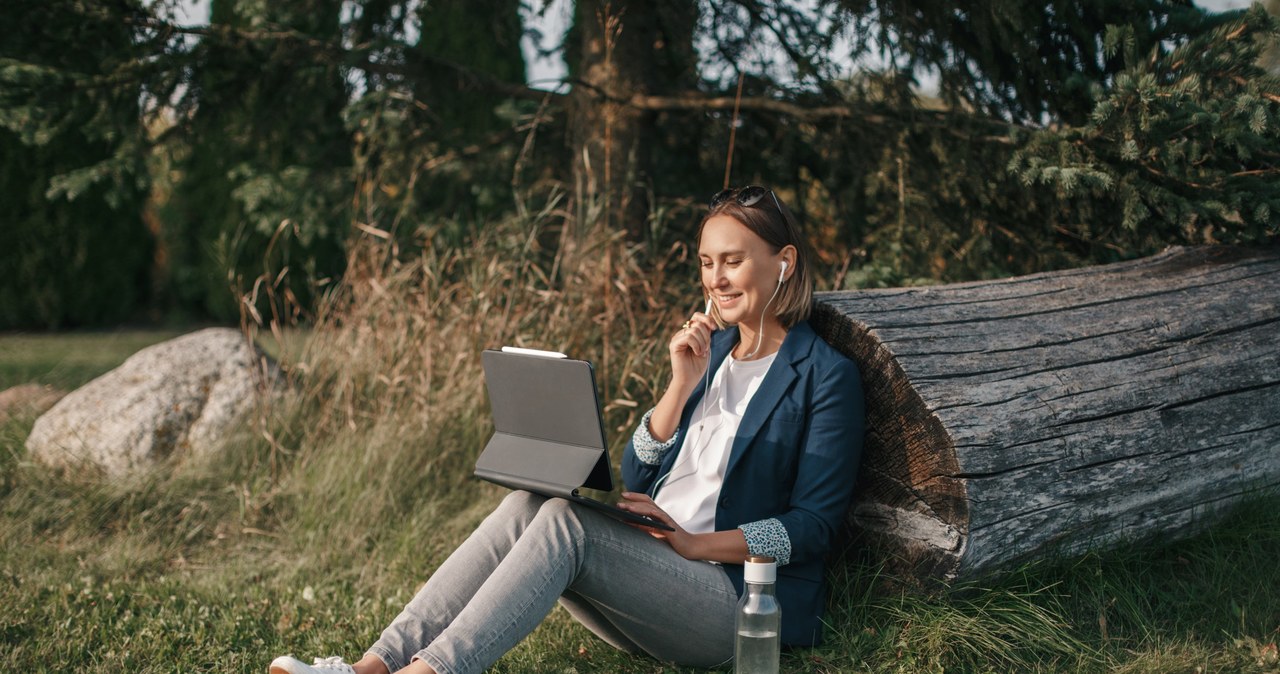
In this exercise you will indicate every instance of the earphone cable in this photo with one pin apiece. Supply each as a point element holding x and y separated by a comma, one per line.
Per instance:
<point>760,330</point>
<point>706,389</point>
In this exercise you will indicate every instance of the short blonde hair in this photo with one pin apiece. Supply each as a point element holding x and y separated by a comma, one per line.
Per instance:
<point>771,220</point>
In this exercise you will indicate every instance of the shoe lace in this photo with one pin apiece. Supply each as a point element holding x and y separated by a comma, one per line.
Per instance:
<point>331,661</point>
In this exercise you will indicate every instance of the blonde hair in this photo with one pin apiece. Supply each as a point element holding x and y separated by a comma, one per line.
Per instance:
<point>771,220</point>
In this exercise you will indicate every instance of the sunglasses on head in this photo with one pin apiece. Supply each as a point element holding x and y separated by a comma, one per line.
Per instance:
<point>745,196</point>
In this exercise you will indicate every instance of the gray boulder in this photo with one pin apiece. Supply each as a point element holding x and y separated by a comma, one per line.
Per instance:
<point>174,399</point>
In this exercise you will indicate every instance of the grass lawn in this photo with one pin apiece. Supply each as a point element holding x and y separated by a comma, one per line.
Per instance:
<point>67,360</point>
<point>218,567</point>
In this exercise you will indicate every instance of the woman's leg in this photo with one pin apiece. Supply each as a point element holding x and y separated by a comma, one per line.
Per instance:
<point>653,600</point>
<point>671,607</point>
<point>452,586</point>
<point>584,611</point>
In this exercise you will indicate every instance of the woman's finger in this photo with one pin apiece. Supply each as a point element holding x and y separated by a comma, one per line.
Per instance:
<point>632,497</point>
<point>699,334</point>
<point>689,339</point>
<point>695,341</point>
<point>705,321</point>
<point>703,326</point>
<point>641,504</point>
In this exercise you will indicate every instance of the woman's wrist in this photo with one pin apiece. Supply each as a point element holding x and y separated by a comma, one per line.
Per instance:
<point>725,547</point>
<point>681,390</point>
<point>665,418</point>
<point>696,548</point>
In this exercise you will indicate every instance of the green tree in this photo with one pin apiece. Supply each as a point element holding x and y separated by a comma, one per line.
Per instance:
<point>1062,133</point>
<point>72,174</point>
<point>477,38</point>
<point>926,188</point>
<point>263,158</point>
<point>435,129</point>
<point>1183,147</point>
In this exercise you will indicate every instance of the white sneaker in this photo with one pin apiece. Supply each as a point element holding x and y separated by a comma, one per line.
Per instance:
<point>287,665</point>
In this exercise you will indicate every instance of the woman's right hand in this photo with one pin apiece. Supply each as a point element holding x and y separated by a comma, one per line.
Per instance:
<point>690,350</point>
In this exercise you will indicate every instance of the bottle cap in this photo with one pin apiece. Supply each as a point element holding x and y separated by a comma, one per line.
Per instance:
<point>759,569</point>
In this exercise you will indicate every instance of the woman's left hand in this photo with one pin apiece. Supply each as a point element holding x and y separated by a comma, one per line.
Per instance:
<point>726,547</point>
<point>680,540</point>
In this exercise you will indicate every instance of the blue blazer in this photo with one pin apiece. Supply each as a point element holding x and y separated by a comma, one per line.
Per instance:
<point>794,459</point>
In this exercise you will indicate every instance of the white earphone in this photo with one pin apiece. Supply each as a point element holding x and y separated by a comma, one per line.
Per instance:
<point>783,272</point>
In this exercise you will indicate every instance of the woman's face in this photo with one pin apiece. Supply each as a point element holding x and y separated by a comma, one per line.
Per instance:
<point>739,270</point>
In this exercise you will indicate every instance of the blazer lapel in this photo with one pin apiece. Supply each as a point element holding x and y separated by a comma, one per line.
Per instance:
<point>782,373</point>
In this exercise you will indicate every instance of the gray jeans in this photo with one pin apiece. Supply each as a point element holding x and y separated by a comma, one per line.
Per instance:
<point>629,588</point>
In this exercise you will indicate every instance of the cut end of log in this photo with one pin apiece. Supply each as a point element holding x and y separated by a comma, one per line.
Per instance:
<point>905,499</point>
<point>924,544</point>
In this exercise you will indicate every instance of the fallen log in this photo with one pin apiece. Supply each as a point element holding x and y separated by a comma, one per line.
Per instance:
<point>1062,411</point>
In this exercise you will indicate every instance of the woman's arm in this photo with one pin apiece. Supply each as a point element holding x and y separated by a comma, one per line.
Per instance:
<point>795,520</point>
<point>828,463</point>
<point>643,456</point>
<point>690,352</point>
<point>727,547</point>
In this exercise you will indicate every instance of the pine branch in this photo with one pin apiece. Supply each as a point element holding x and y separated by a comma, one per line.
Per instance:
<point>358,58</point>
<point>940,118</point>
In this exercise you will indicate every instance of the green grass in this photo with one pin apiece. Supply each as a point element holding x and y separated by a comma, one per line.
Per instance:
<point>67,360</point>
<point>208,569</point>
<point>188,573</point>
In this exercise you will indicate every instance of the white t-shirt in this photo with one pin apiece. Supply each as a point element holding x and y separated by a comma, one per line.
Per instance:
<point>690,491</point>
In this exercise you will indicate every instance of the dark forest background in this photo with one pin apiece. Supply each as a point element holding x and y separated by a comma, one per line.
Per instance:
<point>152,170</point>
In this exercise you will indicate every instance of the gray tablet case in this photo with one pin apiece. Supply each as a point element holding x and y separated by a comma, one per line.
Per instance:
<point>548,434</point>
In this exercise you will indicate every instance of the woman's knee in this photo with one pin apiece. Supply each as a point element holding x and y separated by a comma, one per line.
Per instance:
<point>541,511</point>
<point>561,516</point>
<point>558,509</point>
<point>521,501</point>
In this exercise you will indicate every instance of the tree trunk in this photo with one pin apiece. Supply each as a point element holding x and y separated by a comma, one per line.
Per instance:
<point>1065,410</point>
<point>623,49</point>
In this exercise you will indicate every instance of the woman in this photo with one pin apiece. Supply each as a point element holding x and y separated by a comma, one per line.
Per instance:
<point>752,449</point>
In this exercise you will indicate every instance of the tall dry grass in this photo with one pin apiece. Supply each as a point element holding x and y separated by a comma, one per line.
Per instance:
<point>374,452</point>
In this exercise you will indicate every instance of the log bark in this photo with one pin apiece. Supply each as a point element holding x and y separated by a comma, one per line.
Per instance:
<point>1057,412</point>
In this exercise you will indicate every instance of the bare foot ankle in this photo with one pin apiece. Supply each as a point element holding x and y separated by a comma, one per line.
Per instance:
<point>370,664</point>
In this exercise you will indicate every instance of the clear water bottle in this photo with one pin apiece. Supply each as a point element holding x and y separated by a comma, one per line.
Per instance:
<point>757,646</point>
